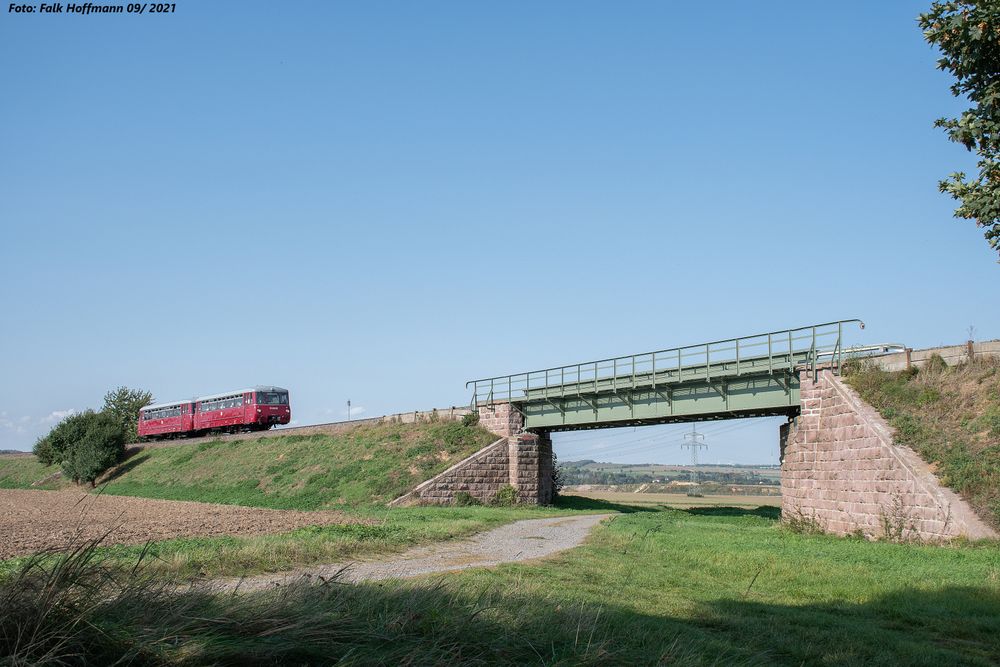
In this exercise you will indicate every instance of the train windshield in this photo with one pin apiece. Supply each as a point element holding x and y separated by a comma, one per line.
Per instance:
<point>272,398</point>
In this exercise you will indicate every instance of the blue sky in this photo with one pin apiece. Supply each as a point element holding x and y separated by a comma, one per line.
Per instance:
<point>379,201</point>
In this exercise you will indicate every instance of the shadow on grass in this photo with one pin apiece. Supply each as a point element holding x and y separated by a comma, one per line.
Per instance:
<point>584,503</point>
<point>130,463</point>
<point>764,511</point>
<point>460,621</point>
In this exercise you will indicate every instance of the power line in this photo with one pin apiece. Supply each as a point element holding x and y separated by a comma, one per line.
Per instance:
<point>621,445</point>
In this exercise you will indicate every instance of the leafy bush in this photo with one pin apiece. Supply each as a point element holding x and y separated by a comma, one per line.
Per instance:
<point>465,499</point>
<point>55,447</point>
<point>470,419</point>
<point>102,447</point>
<point>84,445</point>
<point>936,364</point>
<point>506,496</point>
<point>44,451</point>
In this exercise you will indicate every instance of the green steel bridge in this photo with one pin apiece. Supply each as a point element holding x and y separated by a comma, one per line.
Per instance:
<point>751,376</point>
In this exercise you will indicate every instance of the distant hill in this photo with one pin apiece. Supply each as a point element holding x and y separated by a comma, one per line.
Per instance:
<point>368,465</point>
<point>596,472</point>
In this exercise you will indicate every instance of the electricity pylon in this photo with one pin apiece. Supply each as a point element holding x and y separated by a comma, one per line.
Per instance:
<point>694,440</point>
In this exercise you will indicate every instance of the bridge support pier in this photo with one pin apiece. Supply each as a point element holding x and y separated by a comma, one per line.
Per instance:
<point>501,418</point>
<point>530,467</point>
<point>518,458</point>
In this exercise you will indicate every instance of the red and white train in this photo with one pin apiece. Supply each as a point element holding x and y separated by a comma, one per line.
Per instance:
<point>256,409</point>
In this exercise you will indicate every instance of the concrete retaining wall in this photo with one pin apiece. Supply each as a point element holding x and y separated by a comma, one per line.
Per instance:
<point>952,354</point>
<point>841,469</point>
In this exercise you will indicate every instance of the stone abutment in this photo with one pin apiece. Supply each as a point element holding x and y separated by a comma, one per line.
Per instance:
<point>842,471</point>
<point>519,459</point>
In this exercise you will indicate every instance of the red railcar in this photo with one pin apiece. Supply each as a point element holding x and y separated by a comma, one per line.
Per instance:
<point>255,409</point>
<point>166,419</point>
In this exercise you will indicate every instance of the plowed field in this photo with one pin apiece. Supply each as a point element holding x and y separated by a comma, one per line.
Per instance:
<point>32,521</point>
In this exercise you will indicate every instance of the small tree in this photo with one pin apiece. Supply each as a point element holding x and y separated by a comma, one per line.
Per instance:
<point>124,404</point>
<point>968,34</point>
<point>55,447</point>
<point>84,445</point>
<point>102,446</point>
<point>557,477</point>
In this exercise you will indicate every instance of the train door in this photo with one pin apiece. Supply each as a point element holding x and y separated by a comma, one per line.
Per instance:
<point>248,414</point>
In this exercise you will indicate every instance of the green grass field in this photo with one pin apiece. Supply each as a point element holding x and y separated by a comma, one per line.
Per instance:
<point>25,472</point>
<point>704,586</point>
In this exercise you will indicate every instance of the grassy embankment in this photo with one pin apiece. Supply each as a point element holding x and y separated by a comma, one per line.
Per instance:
<point>948,415</point>
<point>369,465</point>
<point>25,472</point>
<point>702,586</point>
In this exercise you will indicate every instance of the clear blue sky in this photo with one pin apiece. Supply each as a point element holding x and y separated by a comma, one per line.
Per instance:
<point>379,201</point>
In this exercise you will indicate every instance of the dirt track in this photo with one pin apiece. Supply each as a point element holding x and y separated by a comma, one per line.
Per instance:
<point>519,541</point>
<point>31,521</point>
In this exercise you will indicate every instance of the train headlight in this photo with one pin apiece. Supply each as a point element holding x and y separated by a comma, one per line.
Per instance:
<point>258,410</point>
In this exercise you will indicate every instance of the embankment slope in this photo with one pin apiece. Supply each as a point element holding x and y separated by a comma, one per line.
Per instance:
<point>367,465</point>
<point>950,416</point>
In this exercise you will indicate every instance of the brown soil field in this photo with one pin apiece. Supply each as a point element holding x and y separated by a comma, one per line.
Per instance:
<point>32,521</point>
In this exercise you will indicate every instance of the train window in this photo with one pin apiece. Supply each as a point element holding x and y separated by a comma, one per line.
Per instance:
<point>272,398</point>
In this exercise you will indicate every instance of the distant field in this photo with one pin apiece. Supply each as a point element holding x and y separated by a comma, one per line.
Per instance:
<point>657,468</point>
<point>677,499</point>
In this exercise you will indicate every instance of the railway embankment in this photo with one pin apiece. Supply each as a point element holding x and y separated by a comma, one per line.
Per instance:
<point>367,463</point>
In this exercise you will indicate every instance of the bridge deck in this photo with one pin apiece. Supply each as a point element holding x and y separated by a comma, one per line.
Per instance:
<point>747,376</point>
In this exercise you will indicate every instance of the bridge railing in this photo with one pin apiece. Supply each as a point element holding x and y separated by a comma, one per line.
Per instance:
<point>775,350</point>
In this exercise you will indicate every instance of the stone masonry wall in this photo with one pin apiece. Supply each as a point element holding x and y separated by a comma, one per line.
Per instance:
<point>530,457</point>
<point>524,461</point>
<point>480,475</point>
<point>501,418</point>
<point>841,469</point>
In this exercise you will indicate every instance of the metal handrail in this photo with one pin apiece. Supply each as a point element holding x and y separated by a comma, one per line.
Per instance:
<point>670,362</point>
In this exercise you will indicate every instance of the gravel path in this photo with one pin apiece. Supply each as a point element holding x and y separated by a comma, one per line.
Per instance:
<point>31,521</point>
<point>518,541</point>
